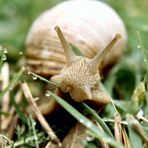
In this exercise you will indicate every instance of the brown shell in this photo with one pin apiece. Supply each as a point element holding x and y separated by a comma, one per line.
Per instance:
<point>89,25</point>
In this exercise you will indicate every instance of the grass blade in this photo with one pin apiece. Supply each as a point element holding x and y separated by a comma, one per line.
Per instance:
<point>43,79</point>
<point>96,116</point>
<point>33,123</point>
<point>12,83</point>
<point>17,109</point>
<point>24,141</point>
<point>3,57</point>
<point>102,123</point>
<point>86,122</point>
<point>135,139</point>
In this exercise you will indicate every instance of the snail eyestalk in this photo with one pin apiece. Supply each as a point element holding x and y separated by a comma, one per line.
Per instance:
<point>70,55</point>
<point>79,78</point>
<point>101,55</point>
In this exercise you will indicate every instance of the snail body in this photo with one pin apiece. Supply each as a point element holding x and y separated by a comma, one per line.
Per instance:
<point>88,25</point>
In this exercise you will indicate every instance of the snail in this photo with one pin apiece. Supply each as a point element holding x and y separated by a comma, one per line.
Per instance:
<point>89,26</point>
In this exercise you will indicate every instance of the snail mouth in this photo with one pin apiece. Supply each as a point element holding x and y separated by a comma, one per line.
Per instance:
<point>77,94</point>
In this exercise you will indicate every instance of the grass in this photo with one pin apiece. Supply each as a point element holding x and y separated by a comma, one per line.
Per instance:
<point>126,83</point>
<point>12,83</point>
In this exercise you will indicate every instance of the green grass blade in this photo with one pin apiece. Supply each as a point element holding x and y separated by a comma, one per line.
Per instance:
<point>96,116</point>
<point>104,89</point>
<point>102,123</point>
<point>23,141</point>
<point>143,51</point>
<point>18,110</point>
<point>4,113</point>
<point>1,56</point>
<point>43,79</point>
<point>86,122</point>
<point>33,123</point>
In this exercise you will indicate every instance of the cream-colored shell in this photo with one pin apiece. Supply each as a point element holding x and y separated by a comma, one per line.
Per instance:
<point>87,24</point>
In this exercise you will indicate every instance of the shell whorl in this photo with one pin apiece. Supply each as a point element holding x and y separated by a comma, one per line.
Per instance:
<point>89,25</point>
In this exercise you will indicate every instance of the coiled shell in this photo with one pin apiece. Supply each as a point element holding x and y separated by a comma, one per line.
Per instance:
<point>88,25</point>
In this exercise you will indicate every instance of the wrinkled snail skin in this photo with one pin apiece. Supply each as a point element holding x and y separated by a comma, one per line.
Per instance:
<point>88,25</point>
<point>80,75</point>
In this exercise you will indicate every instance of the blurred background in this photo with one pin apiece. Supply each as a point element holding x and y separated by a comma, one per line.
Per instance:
<point>16,17</point>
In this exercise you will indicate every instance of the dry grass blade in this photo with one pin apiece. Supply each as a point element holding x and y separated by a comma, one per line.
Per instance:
<point>51,145</point>
<point>6,99</point>
<point>142,119</point>
<point>5,83</point>
<point>12,83</point>
<point>85,121</point>
<point>4,141</point>
<point>126,140</point>
<point>39,115</point>
<point>10,131</point>
<point>76,136</point>
<point>10,118</point>
<point>139,129</point>
<point>117,127</point>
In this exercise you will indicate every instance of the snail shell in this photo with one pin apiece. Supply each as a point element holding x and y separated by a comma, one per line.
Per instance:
<point>88,25</point>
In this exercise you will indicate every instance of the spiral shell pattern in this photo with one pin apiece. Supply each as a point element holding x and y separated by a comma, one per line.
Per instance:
<point>88,25</point>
